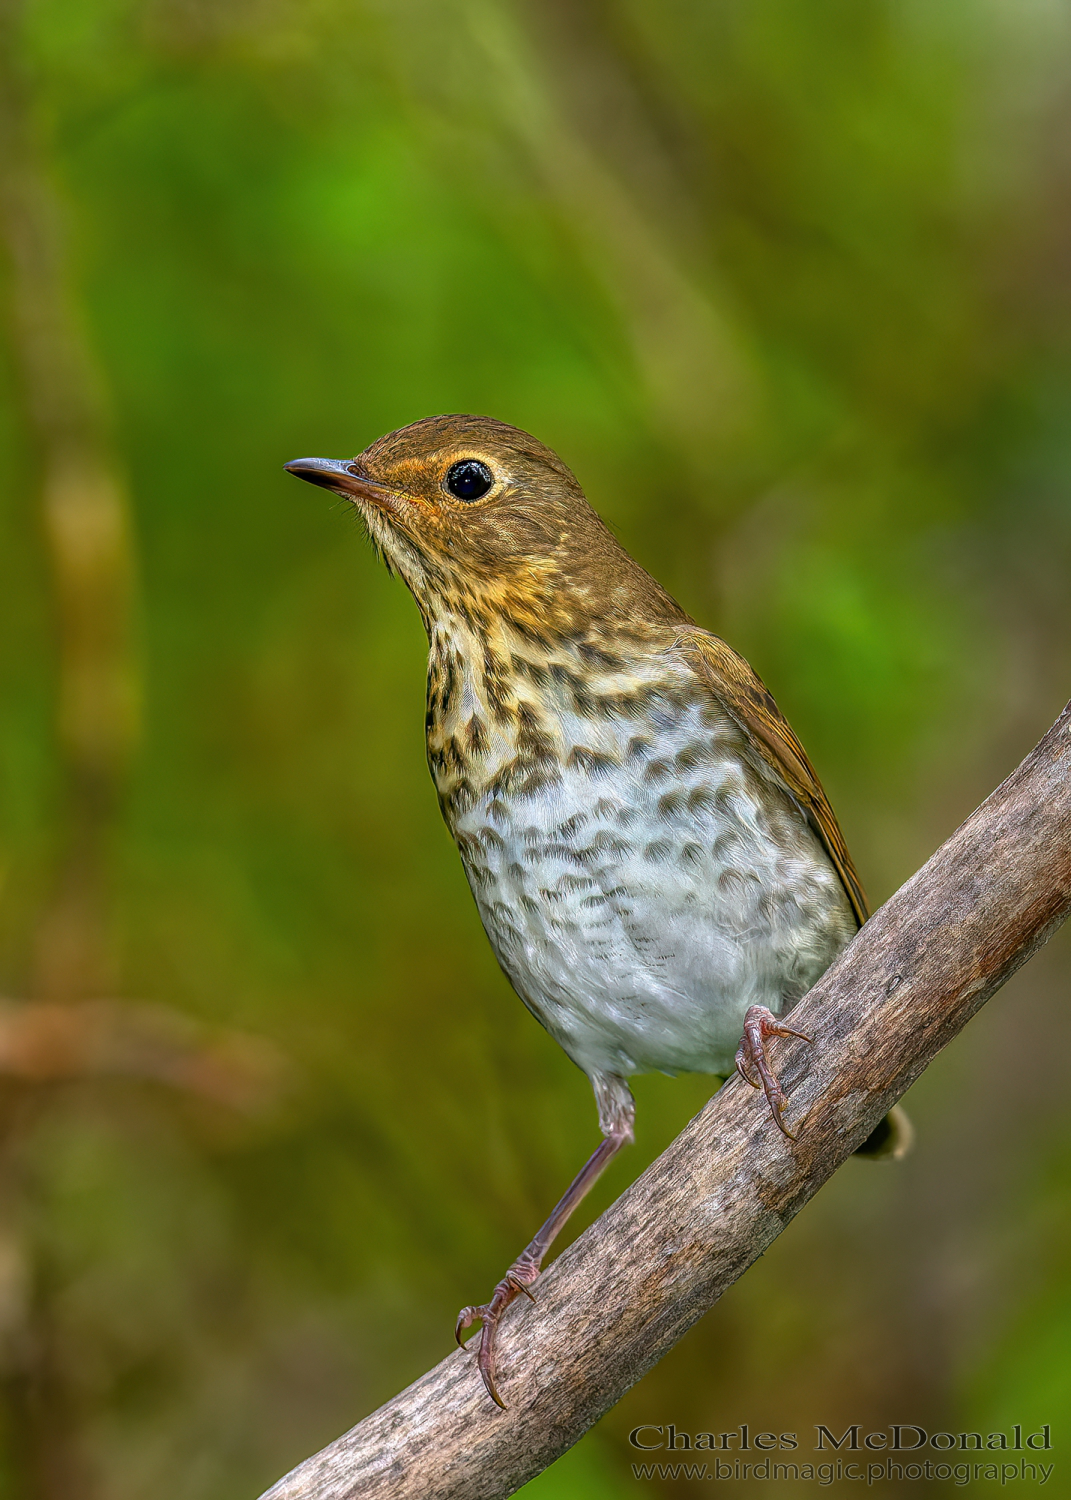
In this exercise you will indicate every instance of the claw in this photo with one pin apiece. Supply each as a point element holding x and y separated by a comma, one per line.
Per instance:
<point>490,1314</point>
<point>465,1318</point>
<point>740,1068</point>
<point>760,1023</point>
<point>485,1362</point>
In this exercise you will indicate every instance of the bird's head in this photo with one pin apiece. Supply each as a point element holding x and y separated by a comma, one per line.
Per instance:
<point>477,515</point>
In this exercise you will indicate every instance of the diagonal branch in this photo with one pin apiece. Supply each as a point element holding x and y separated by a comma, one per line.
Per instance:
<point>663,1254</point>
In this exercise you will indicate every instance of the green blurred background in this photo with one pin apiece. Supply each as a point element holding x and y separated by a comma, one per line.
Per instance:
<point>788,287</point>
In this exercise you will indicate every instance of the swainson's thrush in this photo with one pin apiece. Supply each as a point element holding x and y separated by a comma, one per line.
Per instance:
<point>655,862</point>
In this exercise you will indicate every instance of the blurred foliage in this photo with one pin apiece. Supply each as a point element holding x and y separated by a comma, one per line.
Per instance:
<point>787,287</point>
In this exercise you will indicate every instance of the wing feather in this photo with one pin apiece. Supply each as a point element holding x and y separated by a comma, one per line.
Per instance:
<point>747,699</point>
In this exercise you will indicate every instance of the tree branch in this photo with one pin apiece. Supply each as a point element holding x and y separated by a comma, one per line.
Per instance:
<point>662,1255</point>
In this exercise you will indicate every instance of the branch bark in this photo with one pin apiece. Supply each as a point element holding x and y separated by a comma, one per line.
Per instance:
<point>662,1255</point>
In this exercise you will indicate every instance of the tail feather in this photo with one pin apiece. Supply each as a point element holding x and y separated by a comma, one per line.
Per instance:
<point>891,1138</point>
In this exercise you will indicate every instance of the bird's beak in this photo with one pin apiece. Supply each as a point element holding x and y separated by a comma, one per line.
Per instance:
<point>343,476</point>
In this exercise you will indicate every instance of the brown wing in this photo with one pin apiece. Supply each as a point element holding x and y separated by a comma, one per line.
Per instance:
<point>745,696</point>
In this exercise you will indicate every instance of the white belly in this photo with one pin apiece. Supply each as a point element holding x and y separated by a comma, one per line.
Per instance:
<point>640,907</point>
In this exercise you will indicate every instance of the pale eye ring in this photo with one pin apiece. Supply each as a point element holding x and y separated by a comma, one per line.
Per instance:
<point>468,479</point>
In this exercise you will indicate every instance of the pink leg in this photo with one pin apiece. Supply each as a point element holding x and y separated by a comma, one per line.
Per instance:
<point>616,1113</point>
<point>760,1023</point>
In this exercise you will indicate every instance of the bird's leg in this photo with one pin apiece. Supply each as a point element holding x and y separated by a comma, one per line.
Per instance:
<point>760,1023</point>
<point>616,1115</point>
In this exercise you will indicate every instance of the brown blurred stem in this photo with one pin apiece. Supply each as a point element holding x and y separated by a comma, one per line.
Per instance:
<point>49,1042</point>
<point>663,1254</point>
<point>86,531</point>
<point>46,1043</point>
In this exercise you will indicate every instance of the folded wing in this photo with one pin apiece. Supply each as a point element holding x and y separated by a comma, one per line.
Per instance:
<point>746,697</point>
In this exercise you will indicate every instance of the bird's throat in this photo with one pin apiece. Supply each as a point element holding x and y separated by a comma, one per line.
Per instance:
<point>509,710</point>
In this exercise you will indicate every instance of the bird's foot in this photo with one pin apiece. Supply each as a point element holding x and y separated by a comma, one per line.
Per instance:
<point>517,1280</point>
<point>760,1023</point>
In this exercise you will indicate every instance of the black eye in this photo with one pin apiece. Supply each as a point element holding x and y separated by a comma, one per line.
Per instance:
<point>469,479</point>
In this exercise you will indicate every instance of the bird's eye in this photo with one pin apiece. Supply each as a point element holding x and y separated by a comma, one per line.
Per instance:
<point>469,479</point>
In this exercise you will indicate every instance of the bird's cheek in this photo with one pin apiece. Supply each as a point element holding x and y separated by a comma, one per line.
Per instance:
<point>408,512</point>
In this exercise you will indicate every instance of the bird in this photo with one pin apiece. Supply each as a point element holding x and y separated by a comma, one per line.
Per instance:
<point>655,863</point>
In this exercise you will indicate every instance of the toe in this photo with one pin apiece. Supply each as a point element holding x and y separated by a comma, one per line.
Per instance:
<point>465,1319</point>
<point>741,1068</point>
<point>486,1363</point>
